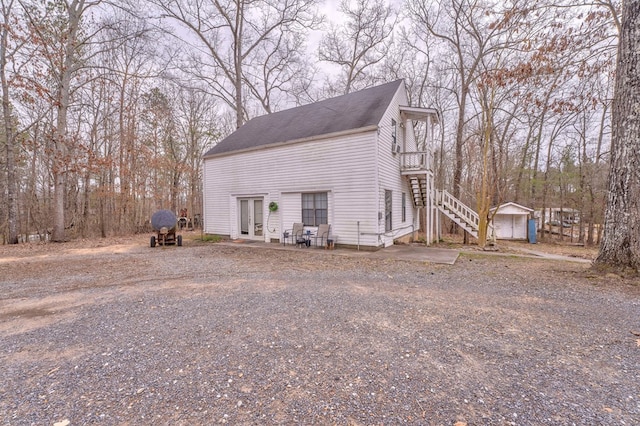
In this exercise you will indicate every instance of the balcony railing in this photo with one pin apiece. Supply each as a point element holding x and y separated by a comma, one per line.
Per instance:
<point>416,161</point>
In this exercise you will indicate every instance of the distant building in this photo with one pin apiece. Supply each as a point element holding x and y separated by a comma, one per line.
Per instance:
<point>510,221</point>
<point>556,216</point>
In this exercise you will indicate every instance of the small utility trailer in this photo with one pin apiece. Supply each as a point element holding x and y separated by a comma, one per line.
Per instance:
<point>165,223</point>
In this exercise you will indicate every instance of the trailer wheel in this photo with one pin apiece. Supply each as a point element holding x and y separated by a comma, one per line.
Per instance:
<point>179,240</point>
<point>153,241</point>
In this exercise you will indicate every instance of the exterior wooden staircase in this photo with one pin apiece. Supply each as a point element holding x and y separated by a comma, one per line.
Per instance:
<point>458,212</point>
<point>416,166</point>
<point>419,193</point>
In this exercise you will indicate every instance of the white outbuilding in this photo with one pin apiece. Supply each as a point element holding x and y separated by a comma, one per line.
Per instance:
<point>510,221</point>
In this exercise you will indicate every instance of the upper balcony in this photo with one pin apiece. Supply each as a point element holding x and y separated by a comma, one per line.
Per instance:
<point>416,162</point>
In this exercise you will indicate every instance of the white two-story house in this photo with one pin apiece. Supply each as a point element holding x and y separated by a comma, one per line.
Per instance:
<point>351,162</point>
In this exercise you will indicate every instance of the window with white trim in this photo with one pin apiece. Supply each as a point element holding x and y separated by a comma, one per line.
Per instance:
<point>315,209</point>
<point>388,208</point>
<point>394,136</point>
<point>394,131</point>
<point>404,207</point>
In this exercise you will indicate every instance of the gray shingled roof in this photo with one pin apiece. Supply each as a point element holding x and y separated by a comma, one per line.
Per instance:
<point>352,111</point>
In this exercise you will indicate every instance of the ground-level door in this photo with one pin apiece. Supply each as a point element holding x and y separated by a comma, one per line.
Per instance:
<point>510,227</point>
<point>251,218</point>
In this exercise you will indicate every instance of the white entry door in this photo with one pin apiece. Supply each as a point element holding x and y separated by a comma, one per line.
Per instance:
<point>251,214</point>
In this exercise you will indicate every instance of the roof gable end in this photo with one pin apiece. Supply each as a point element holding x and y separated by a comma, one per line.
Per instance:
<point>512,208</point>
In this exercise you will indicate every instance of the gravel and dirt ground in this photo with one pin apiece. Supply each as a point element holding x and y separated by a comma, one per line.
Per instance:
<point>114,332</point>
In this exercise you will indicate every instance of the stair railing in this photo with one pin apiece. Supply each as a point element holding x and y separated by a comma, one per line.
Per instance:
<point>416,161</point>
<point>447,201</point>
<point>460,209</point>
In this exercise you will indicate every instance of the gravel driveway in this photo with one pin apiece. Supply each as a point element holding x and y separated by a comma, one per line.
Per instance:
<point>114,332</point>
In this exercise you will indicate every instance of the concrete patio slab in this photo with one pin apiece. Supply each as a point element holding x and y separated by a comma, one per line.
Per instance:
<point>414,252</point>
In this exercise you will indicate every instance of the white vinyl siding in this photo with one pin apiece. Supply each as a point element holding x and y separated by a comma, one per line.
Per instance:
<point>343,167</point>
<point>390,177</point>
<point>290,207</point>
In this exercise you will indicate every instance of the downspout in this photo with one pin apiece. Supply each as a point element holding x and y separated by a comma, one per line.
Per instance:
<point>204,198</point>
<point>427,222</point>
<point>377,184</point>
<point>430,213</point>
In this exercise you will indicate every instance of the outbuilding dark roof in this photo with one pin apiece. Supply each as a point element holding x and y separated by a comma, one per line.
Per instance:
<point>351,111</point>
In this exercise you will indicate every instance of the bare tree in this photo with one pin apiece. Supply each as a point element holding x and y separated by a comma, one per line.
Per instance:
<point>360,43</point>
<point>57,27</point>
<point>73,97</point>
<point>620,246</point>
<point>129,60</point>
<point>9,130</point>
<point>233,42</point>
<point>196,124</point>
<point>486,189</point>
<point>498,125</point>
<point>280,71</point>
<point>470,32</point>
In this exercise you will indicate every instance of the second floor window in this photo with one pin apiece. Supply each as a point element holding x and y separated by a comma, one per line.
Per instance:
<point>394,133</point>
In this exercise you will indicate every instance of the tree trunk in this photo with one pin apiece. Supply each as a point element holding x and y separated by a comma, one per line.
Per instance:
<point>484,194</point>
<point>238,57</point>
<point>10,136</point>
<point>597,172</point>
<point>457,171</point>
<point>74,10</point>
<point>60,159</point>
<point>620,246</point>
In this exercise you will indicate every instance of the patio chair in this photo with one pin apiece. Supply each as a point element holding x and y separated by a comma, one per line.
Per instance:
<point>294,234</point>
<point>323,235</point>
